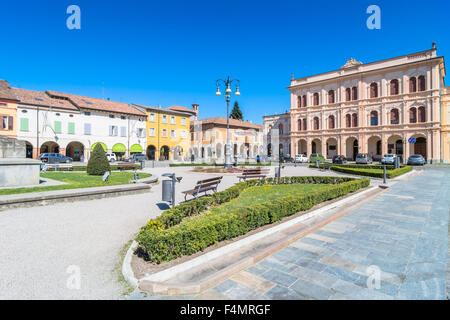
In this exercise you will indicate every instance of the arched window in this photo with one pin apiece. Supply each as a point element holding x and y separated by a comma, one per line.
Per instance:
<point>348,120</point>
<point>422,114</point>
<point>347,94</point>
<point>374,118</point>
<point>299,124</point>
<point>354,93</point>
<point>280,128</point>
<point>354,120</point>
<point>374,90</point>
<point>316,99</point>
<point>394,87</point>
<point>304,125</point>
<point>316,123</point>
<point>331,96</point>
<point>412,115</point>
<point>394,116</point>
<point>412,84</point>
<point>304,104</point>
<point>299,102</point>
<point>331,122</point>
<point>421,81</point>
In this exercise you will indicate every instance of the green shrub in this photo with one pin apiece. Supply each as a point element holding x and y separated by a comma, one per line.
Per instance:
<point>363,166</point>
<point>98,164</point>
<point>165,238</point>
<point>377,173</point>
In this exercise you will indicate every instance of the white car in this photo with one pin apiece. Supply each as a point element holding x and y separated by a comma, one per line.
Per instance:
<point>301,158</point>
<point>111,157</point>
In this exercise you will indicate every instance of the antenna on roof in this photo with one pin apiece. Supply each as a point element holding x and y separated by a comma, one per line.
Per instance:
<point>103,90</point>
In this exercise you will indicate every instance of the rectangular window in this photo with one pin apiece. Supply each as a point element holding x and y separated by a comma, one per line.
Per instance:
<point>152,117</point>
<point>57,127</point>
<point>164,118</point>
<point>140,133</point>
<point>87,128</point>
<point>151,132</point>
<point>87,113</point>
<point>123,131</point>
<point>183,134</point>
<point>24,124</point>
<point>113,131</point>
<point>172,120</point>
<point>172,133</point>
<point>183,121</point>
<point>71,128</point>
<point>164,133</point>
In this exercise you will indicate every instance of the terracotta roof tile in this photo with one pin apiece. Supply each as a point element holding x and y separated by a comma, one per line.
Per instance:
<point>181,108</point>
<point>6,91</point>
<point>97,104</point>
<point>42,99</point>
<point>233,122</point>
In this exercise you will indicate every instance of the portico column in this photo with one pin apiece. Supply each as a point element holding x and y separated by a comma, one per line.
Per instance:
<point>383,144</point>
<point>324,147</point>
<point>429,142</point>
<point>308,146</point>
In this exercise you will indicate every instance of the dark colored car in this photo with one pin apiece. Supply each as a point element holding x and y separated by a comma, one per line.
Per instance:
<point>339,159</point>
<point>316,156</point>
<point>416,159</point>
<point>54,158</point>
<point>137,157</point>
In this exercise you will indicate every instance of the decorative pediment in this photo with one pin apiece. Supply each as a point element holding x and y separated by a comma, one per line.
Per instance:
<point>351,63</point>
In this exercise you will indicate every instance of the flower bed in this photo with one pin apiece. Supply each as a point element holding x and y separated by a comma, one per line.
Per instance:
<point>195,225</point>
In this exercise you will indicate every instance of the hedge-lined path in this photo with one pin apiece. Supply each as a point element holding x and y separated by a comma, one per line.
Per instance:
<point>40,244</point>
<point>402,234</point>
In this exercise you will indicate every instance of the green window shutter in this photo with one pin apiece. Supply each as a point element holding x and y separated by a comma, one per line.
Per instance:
<point>71,128</point>
<point>57,127</point>
<point>24,124</point>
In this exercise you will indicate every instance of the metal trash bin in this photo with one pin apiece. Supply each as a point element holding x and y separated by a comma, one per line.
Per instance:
<point>167,190</point>
<point>397,162</point>
<point>142,164</point>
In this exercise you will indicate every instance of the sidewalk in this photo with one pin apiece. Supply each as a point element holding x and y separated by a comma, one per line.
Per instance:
<point>403,234</point>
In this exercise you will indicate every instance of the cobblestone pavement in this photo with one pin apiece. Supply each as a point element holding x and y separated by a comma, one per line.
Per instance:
<point>394,247</point>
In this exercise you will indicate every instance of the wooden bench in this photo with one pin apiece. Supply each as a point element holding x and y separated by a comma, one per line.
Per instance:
<point>59,166</point>
<point>125,165</point>
<point>253,174</point>
<point>203,186</point>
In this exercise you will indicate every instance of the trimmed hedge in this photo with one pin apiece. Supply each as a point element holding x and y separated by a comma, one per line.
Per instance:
<point>377,173</point>
<point>98,164</point>
<point>363,166</point>
<point>113,167</point>
<point>261,164</point>
<point>166,238</point>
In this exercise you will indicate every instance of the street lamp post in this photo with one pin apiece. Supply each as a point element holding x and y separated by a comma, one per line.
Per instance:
<point>228,84</point>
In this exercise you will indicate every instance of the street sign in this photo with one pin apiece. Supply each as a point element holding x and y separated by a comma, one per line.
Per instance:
<point>412,140</point>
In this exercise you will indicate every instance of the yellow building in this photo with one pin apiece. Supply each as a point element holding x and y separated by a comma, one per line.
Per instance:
<point>445,125</point>
<point>8,110</point>
<point>168,135</point>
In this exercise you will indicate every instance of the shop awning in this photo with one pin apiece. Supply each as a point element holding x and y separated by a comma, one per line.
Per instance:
<point>136,148</point>
<point>103,145</point>
<point>119,147</point>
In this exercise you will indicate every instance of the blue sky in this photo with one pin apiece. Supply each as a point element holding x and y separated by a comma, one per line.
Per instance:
<point>172,52</point>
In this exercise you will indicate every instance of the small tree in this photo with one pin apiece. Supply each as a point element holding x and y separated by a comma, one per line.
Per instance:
<point>98,163</point>
<point>236,113</point>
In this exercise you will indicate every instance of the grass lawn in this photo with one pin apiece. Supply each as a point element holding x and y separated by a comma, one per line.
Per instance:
<point>77,180</point>
<point>260,194</point>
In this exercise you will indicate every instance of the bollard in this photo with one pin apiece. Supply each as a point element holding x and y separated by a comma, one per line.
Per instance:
<point>317,164</point>
<point>384,174</point>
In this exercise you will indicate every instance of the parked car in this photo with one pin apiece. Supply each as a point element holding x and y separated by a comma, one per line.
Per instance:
<point>316,156</point>
<point>388,158</point>
<point>363,158</point>
<point>339,159</point>
<point>301,158</point>
<point>137,157</point>
<point>416,159</point>
<point>54,158</point>
<point>111,157</point>
<point>287,158</point>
